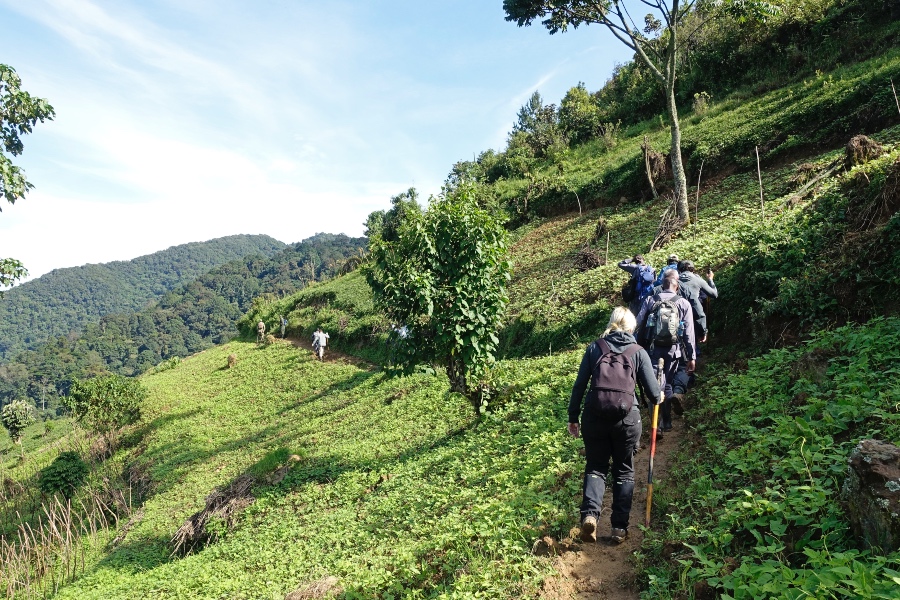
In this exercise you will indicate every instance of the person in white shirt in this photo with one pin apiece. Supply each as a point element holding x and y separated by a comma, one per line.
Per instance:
<point>319,341</point>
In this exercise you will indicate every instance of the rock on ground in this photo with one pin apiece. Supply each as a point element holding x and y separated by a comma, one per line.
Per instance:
<point>872,494</point>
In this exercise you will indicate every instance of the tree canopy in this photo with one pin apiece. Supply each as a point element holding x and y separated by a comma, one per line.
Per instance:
<point>444,279</point>
<point>19,113</point>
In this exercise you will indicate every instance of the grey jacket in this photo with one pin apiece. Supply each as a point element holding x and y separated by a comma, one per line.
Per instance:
<point>692,283</point>
<point>618,342</point>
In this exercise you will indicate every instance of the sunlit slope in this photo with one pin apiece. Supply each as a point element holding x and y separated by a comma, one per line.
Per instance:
<point>396,488</point>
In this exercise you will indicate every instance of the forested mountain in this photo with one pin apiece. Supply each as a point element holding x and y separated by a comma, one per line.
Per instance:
<point>66,300</point>
<point>190,318</point>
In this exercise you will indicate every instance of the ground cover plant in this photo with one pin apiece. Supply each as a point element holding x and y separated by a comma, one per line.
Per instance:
<point>760,513</point>
<point>398,491</point>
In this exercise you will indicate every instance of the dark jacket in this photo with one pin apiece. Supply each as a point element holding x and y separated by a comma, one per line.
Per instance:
<point>688,345</point>
<point>632,268</point>
<point>618,342</point>
<point>693,283</point>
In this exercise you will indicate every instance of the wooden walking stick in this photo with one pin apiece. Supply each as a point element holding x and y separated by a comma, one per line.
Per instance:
<point>660,378</point>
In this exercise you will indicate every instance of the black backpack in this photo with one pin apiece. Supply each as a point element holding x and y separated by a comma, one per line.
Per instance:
<point>612,382</point>
<point>663,326</point>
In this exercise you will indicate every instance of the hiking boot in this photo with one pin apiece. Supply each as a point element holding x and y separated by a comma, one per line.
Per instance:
<point>677,407</point>
<point>618,535</point>
<point>666,428</point>
<point>589,529</point>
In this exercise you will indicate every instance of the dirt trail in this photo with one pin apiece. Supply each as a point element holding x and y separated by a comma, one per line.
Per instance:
<point>331,355</point>
<point>605,570</point>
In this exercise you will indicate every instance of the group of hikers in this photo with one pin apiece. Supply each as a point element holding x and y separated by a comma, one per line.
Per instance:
<point>663,324</point>
<point>319,337</point>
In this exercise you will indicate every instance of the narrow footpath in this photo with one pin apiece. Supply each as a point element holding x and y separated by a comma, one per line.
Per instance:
<point>331,355</point>
<point>606,570</point>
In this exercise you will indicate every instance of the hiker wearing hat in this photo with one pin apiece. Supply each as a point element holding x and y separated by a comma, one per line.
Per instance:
<point>610,421</point>
<point>673,264</point>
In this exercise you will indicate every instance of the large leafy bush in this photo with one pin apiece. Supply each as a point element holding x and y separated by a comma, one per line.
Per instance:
<point>106,403</point>
<point>64,475</point>
<point>445,279</point>
<point>16,416</point>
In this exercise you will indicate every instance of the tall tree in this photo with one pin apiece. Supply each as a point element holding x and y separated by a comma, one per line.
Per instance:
<point>19,113</point>
<point>444,280</point>
<point>656,44</point>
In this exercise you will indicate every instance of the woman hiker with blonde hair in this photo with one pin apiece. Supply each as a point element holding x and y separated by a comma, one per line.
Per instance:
<point>610,420</point>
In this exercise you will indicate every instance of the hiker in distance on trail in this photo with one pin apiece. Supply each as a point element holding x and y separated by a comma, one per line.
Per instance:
<point>319,341</point>
<point>610,421</point>
<point>284,324</point>
<point>666,330</point>
<point>640,285</point>
<point>260,332</point>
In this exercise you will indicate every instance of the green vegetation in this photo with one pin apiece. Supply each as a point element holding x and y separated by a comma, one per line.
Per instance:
<point>443,282</point>
<point>754,508</point>
<point>658,47</point>
<point>191,317</point>
<point>106,404</point>
<point>398,491</point>
<point>64,475</point>
<point>395,488</point>
<point>15,417</point>
<point>68,300</point>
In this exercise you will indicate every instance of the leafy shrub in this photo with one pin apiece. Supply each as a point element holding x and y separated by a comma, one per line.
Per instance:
<point>107,403</point>
<point>16,416</point>
<point>701,103</point>
<point>765,483</point>
<point>445,280</point>
<point>64,475</point>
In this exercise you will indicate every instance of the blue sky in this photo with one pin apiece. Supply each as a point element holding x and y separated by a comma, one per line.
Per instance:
<point>186,120</point>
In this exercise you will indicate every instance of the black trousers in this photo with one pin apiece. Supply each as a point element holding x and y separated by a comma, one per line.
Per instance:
<point>675,370</point>
<point>606,441</point>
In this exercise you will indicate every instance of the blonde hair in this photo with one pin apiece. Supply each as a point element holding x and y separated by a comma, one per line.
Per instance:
<point>621,319</point>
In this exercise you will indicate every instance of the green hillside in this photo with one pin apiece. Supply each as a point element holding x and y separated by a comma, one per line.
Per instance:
<point>66,300</point>
<point>191,317</point>
<point>393,488</point>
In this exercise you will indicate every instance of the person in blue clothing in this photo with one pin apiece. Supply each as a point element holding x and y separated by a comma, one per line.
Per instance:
<point>608,436</point>
<point>641,283</point>
<point>673,264</point>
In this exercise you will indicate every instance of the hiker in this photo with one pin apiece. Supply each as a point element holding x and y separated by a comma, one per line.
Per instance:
<point>641,283</point>
<point>610,421</point>
<point>672,264</point>
<point>666,330</point>
<point>320,340</point>
<point>260,332</point>
<point>283,326</point>
<point>693,286</point>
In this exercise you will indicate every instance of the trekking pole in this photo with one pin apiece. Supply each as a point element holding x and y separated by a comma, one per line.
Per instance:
<point>660,378</point>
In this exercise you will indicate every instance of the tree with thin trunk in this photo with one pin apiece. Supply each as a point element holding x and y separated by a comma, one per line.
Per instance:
<point>666,28</point>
